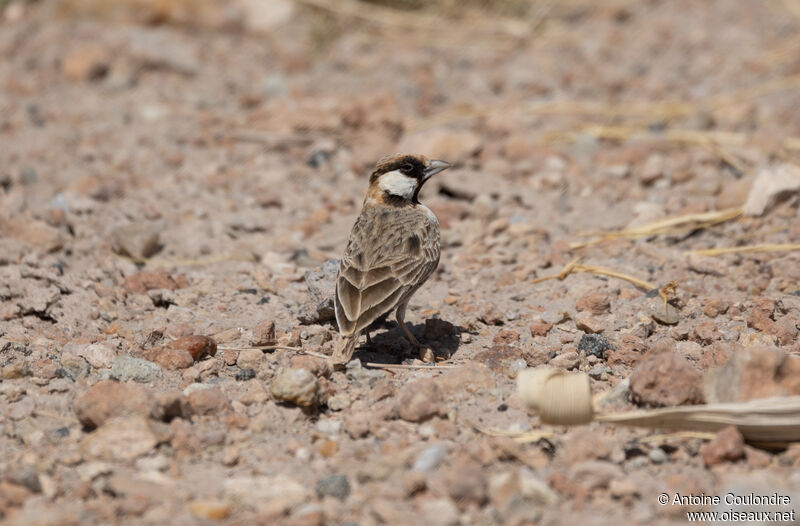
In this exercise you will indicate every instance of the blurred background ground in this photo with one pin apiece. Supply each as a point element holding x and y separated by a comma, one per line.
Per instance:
<point>171,168</point>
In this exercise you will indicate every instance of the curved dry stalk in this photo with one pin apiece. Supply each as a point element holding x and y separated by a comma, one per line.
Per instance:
<point>573,267</point>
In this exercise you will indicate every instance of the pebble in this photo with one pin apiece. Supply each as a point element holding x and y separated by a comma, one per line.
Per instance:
<point>99,355</point>
<point>599,372</point>
<point>440,512</point>
<point>465,483</point>
<point>662,312</point>
<point>267,494</point>
<point>197,346</point>
<point>329,426</point>
<point>727,445</point>
<point>296,386</point>
<point>264,334</point>
<point>771,186</point>
<point>206,401</point>
<point>335,485</point>
<point>22,409</point>
<point>109,399</point>
<point>430,458</point>
<point>596,303</point>
<point>136,240</point>
<point>568,360</point>
<point>126,368</point>
<point>209,509</point>
<point>419,401</point>
<point>88,62</point>
<point>122,438</point>
<point>594,344</point>
<point>339,402</point>
<point>590,325</point>
<point>657,456</point>
<point>666,379</point>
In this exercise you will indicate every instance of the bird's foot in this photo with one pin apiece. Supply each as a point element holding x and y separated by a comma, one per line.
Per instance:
<point>426,353</point>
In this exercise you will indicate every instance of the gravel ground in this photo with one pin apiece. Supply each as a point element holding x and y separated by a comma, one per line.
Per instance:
<point>174,176</point>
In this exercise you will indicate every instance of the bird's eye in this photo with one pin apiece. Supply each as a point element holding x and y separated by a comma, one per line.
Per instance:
<point>407,168</point>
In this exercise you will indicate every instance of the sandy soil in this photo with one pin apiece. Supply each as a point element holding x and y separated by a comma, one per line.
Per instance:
<point>191,177</point>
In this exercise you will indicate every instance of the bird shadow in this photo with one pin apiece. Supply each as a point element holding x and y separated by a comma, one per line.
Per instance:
<point>390,346</point>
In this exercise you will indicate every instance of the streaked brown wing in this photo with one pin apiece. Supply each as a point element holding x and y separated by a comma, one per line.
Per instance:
<point>390,253</point>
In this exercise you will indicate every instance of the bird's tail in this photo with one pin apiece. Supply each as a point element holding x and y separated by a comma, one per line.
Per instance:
<point>344,351</point>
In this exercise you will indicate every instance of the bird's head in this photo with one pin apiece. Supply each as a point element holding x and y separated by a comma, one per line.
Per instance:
<point>399,178</point>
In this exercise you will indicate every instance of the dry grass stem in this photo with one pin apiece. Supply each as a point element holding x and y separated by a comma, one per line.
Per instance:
<point>573,266</point>
<point>404,366</point>
<point>765,247</point>
<point>672,225</point>
<point>522,437</point>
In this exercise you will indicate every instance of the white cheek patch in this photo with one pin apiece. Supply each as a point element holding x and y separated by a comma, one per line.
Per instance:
<point>395,183</point>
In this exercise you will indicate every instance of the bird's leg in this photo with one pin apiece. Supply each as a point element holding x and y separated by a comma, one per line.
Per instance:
<point>425,353</point>
<point>401,316</point>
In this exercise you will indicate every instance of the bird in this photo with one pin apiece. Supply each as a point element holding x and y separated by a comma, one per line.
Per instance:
<point>393,248</point>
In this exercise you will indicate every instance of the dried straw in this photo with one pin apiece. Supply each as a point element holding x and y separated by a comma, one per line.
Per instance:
<point>573,266</point>
<point>765,247</point>
<point>668,226</point>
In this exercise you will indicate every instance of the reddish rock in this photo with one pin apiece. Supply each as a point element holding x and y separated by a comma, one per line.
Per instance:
<point>109,399</point>
<point>229,356</point>
<point>628,351</point>
<point>206,401</point>
<point>33,232</point>
<point>716,355</point>
<point>507,336</point>
<point>726,446</point>
<point>88,62</point>
<point>168,358</point>
<point>317,366</point>
<point>197,346</point>
<point>491,315</point>
<point>590,325</point>
<point>666,379</point>
<point>754,372</point>
<point>595,302</point>
<point>761,313</point>
<point>540,328</point>
<point>264,334</point>
<point>141,282</point>
<point>420,400</point>
<point>705,333</point>
<point>567,360</point>
<point>714,307</point>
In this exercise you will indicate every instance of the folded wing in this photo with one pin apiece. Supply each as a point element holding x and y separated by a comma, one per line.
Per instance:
<point>389,255</point>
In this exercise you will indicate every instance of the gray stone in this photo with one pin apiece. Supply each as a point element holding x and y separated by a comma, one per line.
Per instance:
<point>658,456</point>
<point>321,283</point>
<point>333,485</point>
<point>127,368</point>
<point>430,457</point>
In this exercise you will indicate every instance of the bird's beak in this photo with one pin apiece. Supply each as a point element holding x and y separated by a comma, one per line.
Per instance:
<point>434,167</point>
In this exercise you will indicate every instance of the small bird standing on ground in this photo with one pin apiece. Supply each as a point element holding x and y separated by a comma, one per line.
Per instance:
<point>393,249</point>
